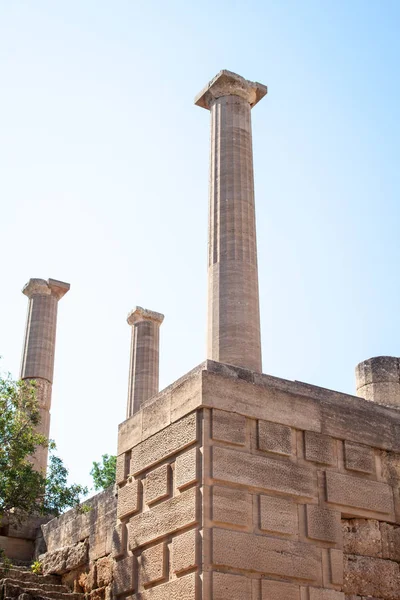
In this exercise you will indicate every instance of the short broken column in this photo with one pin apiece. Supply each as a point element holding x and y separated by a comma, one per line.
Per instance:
<point>39,350</point>
<point>145,355</point>
<point>233,299</point>
<point>378,380</point>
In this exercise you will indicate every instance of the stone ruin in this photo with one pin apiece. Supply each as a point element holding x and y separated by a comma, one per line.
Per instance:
<point>231,484</point>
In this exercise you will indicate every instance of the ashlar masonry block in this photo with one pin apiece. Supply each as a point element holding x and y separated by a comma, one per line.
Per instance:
<point>263,472</point>
<point>124,576</point>
<point>359,493</point>
<point>319,448</point>
<point>164,519</point>
<point>228,427</point>
<point>164,444</point>
<point>231,506</point>
<point>278,515</point>
<point>128,499</point>
<point>119,539</point>
<point>336,566</point>
<point>273,437</point>
<point>153,564</point>
<point>121,471</point>
<point>230,587</point>
<point>184,551</point>
<point>323,524</point>
<point>325,594</point>
<point>359,458</point>
<point>157,484</point>
<point>183,588</point>
<point>279,590</point>
<point>186,468</point>
<point>266,555</point>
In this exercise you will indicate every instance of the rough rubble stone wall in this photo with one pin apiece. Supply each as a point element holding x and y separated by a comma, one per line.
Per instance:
<point>234,485</point>
<point>79,546</point>
<point>372,547</point>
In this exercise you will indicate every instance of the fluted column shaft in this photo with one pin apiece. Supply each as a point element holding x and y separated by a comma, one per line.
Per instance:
<point>145,355</point>
<point>233,298</point>
<point>39,350</point>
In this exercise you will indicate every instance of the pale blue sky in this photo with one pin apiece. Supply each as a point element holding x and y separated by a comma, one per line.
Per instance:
<point>104,183</point>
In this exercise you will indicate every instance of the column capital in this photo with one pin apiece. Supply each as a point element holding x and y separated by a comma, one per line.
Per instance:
<point>41,287</point>
<point>227,83</point>
<point>139,314</point>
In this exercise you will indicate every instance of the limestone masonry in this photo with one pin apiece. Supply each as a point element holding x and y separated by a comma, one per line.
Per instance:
<point>232,484</point>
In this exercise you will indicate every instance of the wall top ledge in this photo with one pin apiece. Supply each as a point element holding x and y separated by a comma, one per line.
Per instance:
<point>258,396</point>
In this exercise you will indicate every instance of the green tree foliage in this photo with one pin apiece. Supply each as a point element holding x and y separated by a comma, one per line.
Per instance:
<point>103,473</point>
<point>59,495</point>
<point>24,491</point>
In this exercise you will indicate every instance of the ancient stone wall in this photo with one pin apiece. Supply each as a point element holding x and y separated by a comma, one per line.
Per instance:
<point>234,485</point>
<point>79,546</point>
<point>237,485</point>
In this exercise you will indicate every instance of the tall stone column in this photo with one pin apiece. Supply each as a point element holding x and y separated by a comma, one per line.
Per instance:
<point>145,353</point>
<point>39,349</point>
<point>378,380</point>
<point>233,298</point>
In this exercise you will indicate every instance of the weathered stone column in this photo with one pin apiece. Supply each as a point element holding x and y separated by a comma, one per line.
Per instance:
<point>378,380</point>
<point>233,299</point>
<point>145,354</point>
<point>39,349</point>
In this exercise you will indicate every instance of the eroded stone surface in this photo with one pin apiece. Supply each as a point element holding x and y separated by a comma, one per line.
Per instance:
<point>366,576</point>
<point>65,559</point>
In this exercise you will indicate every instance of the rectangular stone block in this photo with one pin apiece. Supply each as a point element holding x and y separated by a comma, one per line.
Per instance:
<point>124,576</point>
<point>265,555</point>
<point>359,458</point>
<point>121,472</point>
<point>119,540</point>
<point>362,536</point>
<point>228,427</point>
<point>278,515</point>
<point>128,500</point>
<point>183,588</point>
<point>336,566</point>
<point>165,518</point>
<point>390,541</point>
<point>156,415</point>
<point>278,590</point>
<point>230,587</point>
<point>165,443</point>
<point>263,472</point>
<point>319,448</point>
<point>323,524</point>
<point>130,433</point>
<point>231,506</point>
<point>157,484</point>
<point>374,577</point>
<point>153,564</point>
<point>325,594</point>
<point>261,402</point>
<point>273,437</point>
<point>184,551</point>
<point>186,468</point>
<point>346,490</point>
